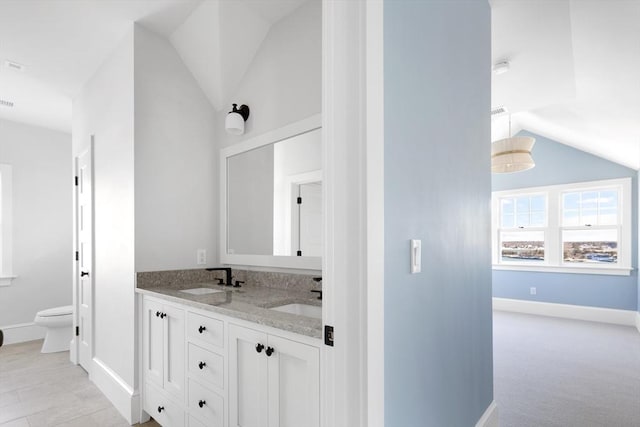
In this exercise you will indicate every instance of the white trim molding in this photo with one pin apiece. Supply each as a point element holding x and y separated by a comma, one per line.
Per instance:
<point>22,332</point>
<point>119,393</point>
<point>576,312</point>
<point>490,416</point>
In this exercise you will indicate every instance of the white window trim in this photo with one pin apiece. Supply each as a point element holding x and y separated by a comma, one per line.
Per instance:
<point>553,253</point>
<point>6,263</point>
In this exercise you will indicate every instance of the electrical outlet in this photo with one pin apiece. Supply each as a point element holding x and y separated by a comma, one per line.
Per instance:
<point>533,291</point>
<point>201,257</point>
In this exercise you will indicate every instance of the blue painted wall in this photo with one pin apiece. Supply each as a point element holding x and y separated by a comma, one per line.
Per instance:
<point>560,164</point>
<point>438,339</point>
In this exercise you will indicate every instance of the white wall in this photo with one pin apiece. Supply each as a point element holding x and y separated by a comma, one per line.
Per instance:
<point>104,108</point>
<point>42,225</point>
<point>176,179</point>
<point>283,83</point>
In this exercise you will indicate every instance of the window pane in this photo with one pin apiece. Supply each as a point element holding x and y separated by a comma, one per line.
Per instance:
<point>589,200</point>
<point>522,246</point>
<point>506,206</point>
<point>537,219</point>
<point>589,217</point>
<point>538,203</point>
<point>571,217</point>
<point>608,217</point>
<point>522,220</point>
<point>608,199</point>
<point>522,204</point>
<point>508,221</point>
<point>590,246</point>
<point>571,200</point>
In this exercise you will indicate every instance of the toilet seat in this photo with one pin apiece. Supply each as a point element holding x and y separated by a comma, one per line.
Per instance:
<point>56,311</point>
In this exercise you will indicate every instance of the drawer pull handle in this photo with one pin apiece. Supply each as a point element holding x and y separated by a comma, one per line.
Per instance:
<point>202,403</point>
<point>201,365</point>
<point>160,409</point>
<point>269,351</point>
<point>201,329</point>
<point>259,347</point>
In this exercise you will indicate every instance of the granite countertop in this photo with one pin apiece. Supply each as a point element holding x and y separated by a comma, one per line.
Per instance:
<point>249,303</point>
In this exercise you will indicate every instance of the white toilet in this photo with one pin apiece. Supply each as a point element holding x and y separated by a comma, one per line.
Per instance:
<point>58,322</point>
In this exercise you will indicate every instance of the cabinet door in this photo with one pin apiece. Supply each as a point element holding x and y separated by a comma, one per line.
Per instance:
<point>153,342</point>
<point>247,378</point>
<point>294,384</point>
<point>175,348</point>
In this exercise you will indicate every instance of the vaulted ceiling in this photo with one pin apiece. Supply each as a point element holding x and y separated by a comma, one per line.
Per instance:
<point>574,73</point>
<point>574,64</point>
<point>61,44</point>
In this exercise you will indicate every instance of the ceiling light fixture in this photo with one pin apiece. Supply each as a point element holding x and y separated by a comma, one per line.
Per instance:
<point>512,154</point>
<point>501,67</point>
<point>234,123</point>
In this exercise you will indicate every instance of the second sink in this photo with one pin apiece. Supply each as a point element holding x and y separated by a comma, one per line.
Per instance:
<point>301,310</point>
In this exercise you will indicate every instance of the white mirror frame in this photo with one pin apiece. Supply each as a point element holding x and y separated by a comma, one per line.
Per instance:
<point>298,262</point>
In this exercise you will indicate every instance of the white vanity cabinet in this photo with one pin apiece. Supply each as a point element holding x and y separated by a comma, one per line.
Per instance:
<point>273,381</point>
<point>204,369</point>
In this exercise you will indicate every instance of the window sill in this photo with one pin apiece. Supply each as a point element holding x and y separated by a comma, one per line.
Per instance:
<point>6,280</point>
<point>616,271</point>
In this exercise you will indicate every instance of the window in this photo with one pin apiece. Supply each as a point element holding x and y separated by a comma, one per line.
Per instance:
<point>5,225</point>
<point>579,228</point>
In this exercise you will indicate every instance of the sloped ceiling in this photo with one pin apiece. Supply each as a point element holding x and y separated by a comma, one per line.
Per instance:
<point>575,73</point>
<point>62,43</point>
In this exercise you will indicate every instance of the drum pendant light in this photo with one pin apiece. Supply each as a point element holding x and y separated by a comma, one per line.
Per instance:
<point>512,154</point>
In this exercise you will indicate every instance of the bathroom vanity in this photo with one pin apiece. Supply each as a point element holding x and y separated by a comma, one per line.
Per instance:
<point>229,357</point>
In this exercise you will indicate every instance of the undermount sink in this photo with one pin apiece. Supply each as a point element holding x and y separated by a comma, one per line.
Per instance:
<point>201,291</point>
<point>301,310</point>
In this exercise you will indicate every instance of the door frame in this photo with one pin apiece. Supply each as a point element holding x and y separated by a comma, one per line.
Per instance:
<point>352,371</point>
<point>74,354</point>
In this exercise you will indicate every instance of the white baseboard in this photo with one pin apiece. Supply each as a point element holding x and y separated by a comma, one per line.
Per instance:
<point>490,416</point>
<point>577,312</point>
<point>22,332</point>
<point>638,320</point>
<point>121,395</point>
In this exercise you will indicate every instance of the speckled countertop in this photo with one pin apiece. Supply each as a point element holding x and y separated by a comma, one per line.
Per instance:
<point>249,303</point>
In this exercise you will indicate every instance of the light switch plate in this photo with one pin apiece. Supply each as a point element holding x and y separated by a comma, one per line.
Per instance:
<point>416,256</point>
<point>201,257</point>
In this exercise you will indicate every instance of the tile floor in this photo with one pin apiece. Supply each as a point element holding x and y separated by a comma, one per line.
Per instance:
<point>40,390</point>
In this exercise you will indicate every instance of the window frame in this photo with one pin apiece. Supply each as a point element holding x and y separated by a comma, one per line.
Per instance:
<point>554,249</point>
<point>6,225</point>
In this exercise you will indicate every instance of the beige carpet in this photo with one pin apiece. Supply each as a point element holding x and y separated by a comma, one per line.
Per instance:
<point>565,373</point>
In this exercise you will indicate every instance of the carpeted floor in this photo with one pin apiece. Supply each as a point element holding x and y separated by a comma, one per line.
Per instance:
<point>555,372</point>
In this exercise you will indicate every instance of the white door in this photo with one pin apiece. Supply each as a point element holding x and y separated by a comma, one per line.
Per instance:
<point>247,377</point>
<point>294,384</point>
<point>84,255</point>
<point>153,342</point>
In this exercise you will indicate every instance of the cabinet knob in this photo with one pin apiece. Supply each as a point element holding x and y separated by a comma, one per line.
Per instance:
<point>160,409</point>
<point>201,365</point>
<point>269,351</point>
<point>84,273</point>
<point>201,329</point>
<point>202,403</point>
<point>259,347</point>
<point>163,315</point>
<point>158,314</point>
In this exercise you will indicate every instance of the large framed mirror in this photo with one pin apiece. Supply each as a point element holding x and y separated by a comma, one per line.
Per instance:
<point>271,198</point>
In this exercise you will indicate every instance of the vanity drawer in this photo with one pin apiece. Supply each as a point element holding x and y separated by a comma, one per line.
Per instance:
<point>206,329</point>
<point>165,411</point>
<point>206,365</point>
<point>205,404</point>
